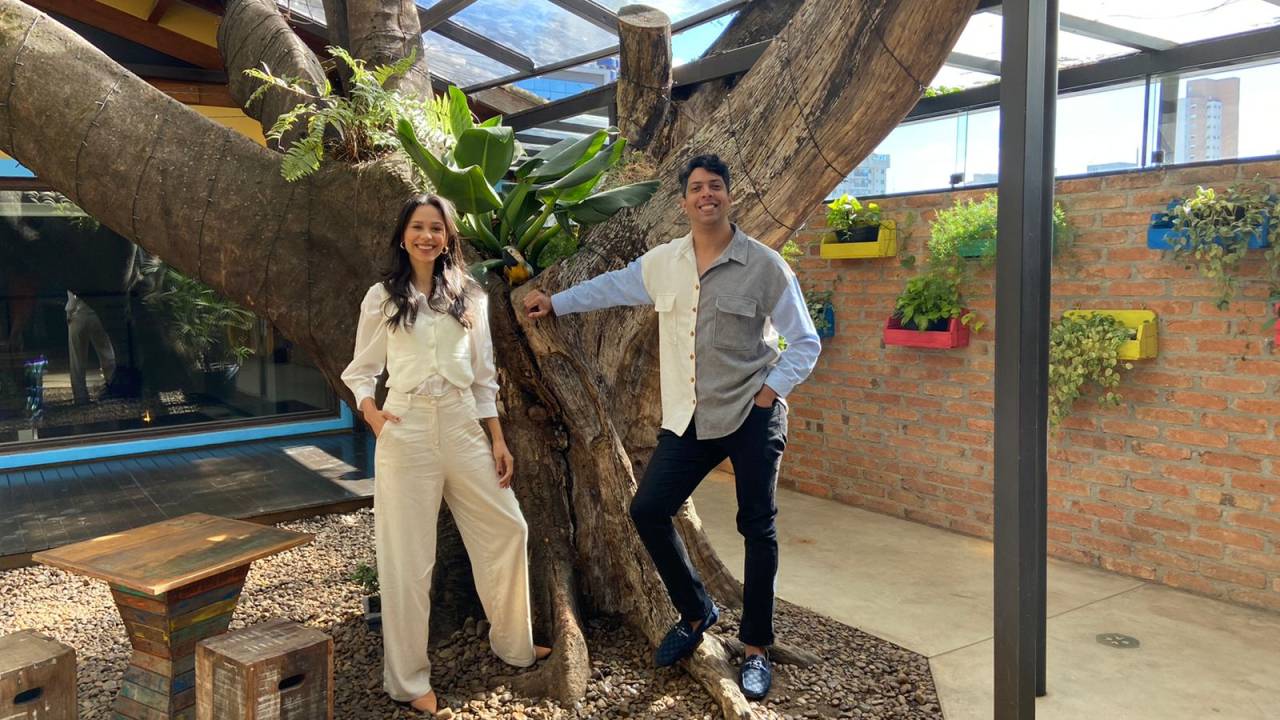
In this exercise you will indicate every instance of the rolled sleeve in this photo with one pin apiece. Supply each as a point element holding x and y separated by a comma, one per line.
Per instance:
<point>791,318</point>
<point>619,287</point>
<point>485,385</point>
<point>370,358</point>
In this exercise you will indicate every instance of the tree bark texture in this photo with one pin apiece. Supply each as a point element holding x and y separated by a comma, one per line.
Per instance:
<point>644,81</point>
<point>580,394</point>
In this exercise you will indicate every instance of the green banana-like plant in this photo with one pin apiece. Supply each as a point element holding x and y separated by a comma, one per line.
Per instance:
<point>535,219</point>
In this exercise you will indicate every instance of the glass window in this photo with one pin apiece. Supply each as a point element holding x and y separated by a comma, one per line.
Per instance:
<point>310,9</point>
<point>916,156</point>
<point>689,45</point>
<point>1100,131</point>
<point>675,9</point>
<point>1227,114</point>
<point>571,81</point>
<point>115,341</point>
<point>982,37</point>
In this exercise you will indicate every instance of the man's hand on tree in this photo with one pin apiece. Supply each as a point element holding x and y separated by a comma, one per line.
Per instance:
<point>537,304</point>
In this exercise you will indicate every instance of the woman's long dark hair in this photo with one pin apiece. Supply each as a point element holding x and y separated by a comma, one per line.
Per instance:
<point>451,287</point>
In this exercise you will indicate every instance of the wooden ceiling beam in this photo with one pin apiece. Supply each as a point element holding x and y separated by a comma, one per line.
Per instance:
<point>136,29</point>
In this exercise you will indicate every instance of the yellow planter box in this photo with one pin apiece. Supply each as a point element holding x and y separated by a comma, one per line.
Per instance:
<point>886,245</point>
<point>1142,347</point>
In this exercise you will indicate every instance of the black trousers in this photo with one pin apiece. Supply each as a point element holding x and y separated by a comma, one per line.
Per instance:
<point>679,464</point>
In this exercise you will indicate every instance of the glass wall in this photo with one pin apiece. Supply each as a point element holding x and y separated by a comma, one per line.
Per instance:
<point>1195,116</point>
<point>98,337</point>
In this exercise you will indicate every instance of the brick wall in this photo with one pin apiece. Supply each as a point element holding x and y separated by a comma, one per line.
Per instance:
<point>1179,485</point>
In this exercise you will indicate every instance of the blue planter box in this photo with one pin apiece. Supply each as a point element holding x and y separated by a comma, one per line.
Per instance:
<point>829,312</point>
<point>1160,233</point>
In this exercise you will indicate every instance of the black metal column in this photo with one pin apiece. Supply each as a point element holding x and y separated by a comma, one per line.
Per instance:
<point>1028,90</point>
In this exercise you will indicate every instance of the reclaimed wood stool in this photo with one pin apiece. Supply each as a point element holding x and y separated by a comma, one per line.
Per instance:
<point>37,678</point>
<point>277,670</point>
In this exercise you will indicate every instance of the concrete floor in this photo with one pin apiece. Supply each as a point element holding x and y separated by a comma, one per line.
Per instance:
<point>930,591</point>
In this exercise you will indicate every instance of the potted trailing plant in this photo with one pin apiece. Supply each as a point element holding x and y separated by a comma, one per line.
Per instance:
<point>968,229</point>
<point>1085,347</point>
<point>367,578</point>
<point>929,313</point>
<point>1216,230</point>
<point>528,223</point>
<point>852,221</point>
<point>204,329</point>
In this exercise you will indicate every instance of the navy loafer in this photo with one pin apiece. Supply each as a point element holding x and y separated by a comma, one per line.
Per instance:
<point>755,677</point>
<point>682,639</point>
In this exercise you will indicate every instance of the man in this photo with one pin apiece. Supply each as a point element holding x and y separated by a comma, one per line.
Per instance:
<point>85,329</point>
<point>717,292</point>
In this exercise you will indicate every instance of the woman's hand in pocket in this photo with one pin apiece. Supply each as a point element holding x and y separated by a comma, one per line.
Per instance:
<point>503,462</point>
<point>379,418</point>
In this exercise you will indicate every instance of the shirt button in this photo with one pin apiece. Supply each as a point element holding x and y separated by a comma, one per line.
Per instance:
<point>696,286</point>
<point>690,356</point>
<point>695,309</point>
<point>690,333</point>
<point>691,380</point>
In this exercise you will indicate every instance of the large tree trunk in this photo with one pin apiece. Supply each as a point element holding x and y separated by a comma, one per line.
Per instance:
<point>581,424</point>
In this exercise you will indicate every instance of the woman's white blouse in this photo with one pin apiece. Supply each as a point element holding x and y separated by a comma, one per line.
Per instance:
<point>370,359</point>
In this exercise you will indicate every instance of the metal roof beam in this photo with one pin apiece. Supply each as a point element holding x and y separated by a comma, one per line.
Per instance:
<point>430,18</point>
<point>594,13</point>
<point>483,45</point>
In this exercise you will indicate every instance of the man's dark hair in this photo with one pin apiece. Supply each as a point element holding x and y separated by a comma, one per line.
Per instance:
<point>710,163</point>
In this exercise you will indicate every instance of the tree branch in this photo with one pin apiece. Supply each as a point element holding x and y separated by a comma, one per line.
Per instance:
<point>253,34</point>
<point>385,31</point>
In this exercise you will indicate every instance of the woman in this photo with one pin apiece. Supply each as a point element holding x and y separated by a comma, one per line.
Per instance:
<point>427,323</point>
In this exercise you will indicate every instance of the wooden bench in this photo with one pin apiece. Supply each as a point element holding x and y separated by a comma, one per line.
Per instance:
<point>175,583</point>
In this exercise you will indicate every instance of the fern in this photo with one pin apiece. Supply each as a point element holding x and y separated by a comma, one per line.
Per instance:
<point>356,127</point>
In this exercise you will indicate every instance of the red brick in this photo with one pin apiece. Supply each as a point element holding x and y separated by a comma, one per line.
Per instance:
<point>1237,462</point>
<point>1236,385</point>
<point>1077,521</point>
<point>1202,175</point>
<point>1122,497</point>
<point>1195,546</point>
<point>1094,201</point>
<point>1196,510</point>
<point>1131,429</point>
<point>1099,510</point>
<point>1160,487</point>
<point>1138,570</point>
<point>1160,522</point>
<point>1204,401</point>
<point>1185,581</point>
<point>1255,483</point>
<point>1259,447</point>
<point>1163,558</point>
<point>1262,523</point>
<point>1165,415</point>
<point>1194,474</point>
<point>1202,438</point>
<point>1256,406</point>
<point>1249,541</point>
<point>1263,561</point>
<point>1072,554</point>
<point>1132,180</point>
<point>1235,576</point>
<point>1126,531</point>
<point>1079,185</point>
<point>1235,423</point>
<point>1109,547</point>
<point>1137,288</point>
<point>1160,450</point>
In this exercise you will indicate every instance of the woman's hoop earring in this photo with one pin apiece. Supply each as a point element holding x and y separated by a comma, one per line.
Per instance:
<point>402,245</point>
<point>445,251</point>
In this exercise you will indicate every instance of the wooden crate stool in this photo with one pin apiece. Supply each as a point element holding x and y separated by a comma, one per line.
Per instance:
<point>278,670</point>
<point>37,678</point>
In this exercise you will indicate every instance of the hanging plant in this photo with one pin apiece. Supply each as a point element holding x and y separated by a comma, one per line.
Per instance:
<point>1213,230</point>
<point>968,230</point>
<point>1084,348</point>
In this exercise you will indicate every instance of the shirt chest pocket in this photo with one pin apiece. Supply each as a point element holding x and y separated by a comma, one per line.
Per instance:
<point>736,324</point>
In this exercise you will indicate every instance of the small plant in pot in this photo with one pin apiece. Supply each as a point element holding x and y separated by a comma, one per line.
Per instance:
<point>367,578</point>
<point>1214,231</point>
<point>852,221</point>
<point>1083,349</point>
<point>931,300</point>
<point>822,312</point>
<point>968,230</point>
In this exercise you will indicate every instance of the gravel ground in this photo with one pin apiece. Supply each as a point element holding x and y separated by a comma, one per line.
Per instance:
<point>861,676</point>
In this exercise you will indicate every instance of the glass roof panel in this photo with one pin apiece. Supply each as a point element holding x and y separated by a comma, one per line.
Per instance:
<point>544,32</point>
<point>310,9</point>
<point>1181,21</point>
<point>689,45</point>
<point>460,65</point>
<point>955,77</point>
<point>571,81</point>
<point>981,38</point>
<point>675,9</point>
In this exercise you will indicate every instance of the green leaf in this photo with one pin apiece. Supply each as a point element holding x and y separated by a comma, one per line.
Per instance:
<point>604,205</point>
<point>459,112</point>
<point>557,248</point>
<point>494,121</point>
<point>468,189</point>
<point>479,269</point>
<point>566,155</point>
<point>587,173</point>
<point>490,148</point>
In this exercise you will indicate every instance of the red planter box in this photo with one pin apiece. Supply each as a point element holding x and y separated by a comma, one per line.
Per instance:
<point>956,335</point>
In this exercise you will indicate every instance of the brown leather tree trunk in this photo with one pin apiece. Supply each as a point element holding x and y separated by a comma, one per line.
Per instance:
<point>580,393</point>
